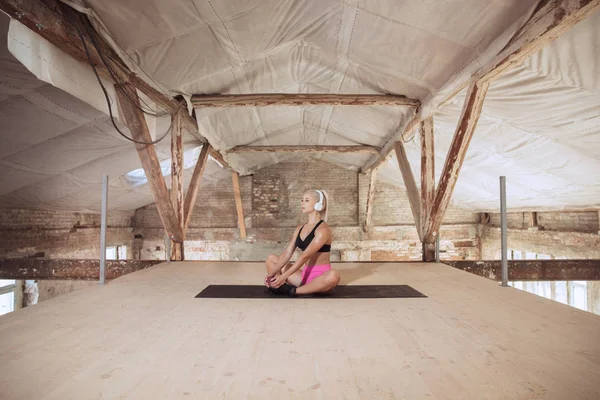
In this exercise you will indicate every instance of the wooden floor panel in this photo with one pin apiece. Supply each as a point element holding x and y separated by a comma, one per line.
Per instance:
<point>145,336</point>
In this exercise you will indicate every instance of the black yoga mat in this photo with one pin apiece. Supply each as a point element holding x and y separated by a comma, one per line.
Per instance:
<point>340,292</point>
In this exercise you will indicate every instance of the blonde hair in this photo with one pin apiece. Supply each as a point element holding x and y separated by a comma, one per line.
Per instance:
<point>322,213</point>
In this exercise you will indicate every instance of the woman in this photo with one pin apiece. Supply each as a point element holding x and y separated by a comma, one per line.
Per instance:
<point>314,239</point>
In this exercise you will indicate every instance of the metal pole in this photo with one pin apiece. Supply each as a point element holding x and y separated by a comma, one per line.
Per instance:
<point>103,229</point>
<point>437,248</point>
<point>503,230</point>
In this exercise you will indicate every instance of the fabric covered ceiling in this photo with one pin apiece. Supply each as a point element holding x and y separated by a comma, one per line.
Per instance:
<point>539,125</point>
<point>55,147</point>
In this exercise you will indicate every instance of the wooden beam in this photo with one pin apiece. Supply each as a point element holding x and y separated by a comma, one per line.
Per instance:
<point>411,186</point>
<point>44,268</point>
<point>296,99</point>
<point>532,221</point>
<point>455,158</point>
<point>370,197</point>
<point>533,270</point>
<point>192,193</point>
<point>304,149</point>
<point>552,19</point>
<point>56,22</point>
<point>218,157</point>
<point>177,198</point>
<point>238,203</point>
<point>427,183</point>
<point>427,170</point>
<point>150,163</point>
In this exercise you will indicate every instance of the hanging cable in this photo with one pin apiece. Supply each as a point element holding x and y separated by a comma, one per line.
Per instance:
<point>118,87</point>
<point>115,76</point>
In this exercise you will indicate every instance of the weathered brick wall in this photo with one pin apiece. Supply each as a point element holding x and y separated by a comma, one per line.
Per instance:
<point>26,233</point>
<point>59,234</point>
<point>574,245</point>
<point>32,219</point>
<point>387,243</point>
<point>574,221</point>
<point>277,190</point>
<point>583,221</point>
<point>391,206</point>
<point>272,202</point>
<point>214,208</point>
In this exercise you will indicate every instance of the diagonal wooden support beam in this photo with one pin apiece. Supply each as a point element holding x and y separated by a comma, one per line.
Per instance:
<point>370,198</point>
<point>139,131</point>
<point>192,193</point>
<point>305,149</point>
<point>455,158</point>
<point>296,99</point>
<point>238,203</point>
<point>409,182</point>
<point>552,19</point>
<point>177,197</point>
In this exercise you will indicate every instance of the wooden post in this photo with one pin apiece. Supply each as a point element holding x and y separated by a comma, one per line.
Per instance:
<point>427,183</point>
<point>177,199</point>
<point>370,197</point>
<point>411,186</point>
<point>455,158</point>
<point>532,223</point>
<point>139,131</point>
<point>238,203</point>
<point>192,193</point>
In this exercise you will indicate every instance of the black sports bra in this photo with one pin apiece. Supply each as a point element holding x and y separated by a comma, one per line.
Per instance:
<point>303,244</point>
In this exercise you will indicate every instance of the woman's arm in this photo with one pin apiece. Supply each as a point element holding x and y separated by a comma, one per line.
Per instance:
<point>288,252</point>
<point>322,236</point>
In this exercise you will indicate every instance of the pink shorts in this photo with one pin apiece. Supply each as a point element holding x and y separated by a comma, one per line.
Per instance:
<point>310,273</point>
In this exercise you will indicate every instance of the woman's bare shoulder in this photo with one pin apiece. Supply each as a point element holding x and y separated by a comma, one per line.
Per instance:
<point>324,227</point>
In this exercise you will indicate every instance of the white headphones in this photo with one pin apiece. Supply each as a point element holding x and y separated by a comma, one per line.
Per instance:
<point>319,206</point>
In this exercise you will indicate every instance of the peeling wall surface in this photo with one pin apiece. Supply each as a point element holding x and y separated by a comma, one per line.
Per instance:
<point>270,200</point>
<point>572,235</point>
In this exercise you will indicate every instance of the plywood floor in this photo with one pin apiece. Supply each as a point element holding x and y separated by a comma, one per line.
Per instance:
<point>145,336</point>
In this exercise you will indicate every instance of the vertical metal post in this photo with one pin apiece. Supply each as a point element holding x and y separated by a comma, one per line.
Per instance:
<point>437,248</point>
<point>503,230</point>
<point>103,229</point>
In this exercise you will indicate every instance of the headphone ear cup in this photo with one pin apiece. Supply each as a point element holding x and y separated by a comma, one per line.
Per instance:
<point>319,206</point>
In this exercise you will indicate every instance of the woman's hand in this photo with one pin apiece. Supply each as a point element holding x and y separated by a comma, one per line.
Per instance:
<point>268,280</point>
<point>277,281</point>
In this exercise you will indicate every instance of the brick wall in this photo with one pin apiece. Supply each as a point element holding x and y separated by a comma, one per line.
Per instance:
<point>574,221</point>
<point>272,194</point>
<point>271,205</point>
<point>573,245</point>
<point>584,221</point>
<point>54,234</point>
<point>391,206</point>
<point>59,234</point>
<point>214,208</point>
<point>277,190</point>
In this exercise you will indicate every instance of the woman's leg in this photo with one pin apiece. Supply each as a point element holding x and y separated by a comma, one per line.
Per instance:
<point>271,263</point>
<point>321,284</point>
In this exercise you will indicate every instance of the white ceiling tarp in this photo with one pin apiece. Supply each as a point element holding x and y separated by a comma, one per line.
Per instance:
<point>55,146</point>
<point>539,125</point>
